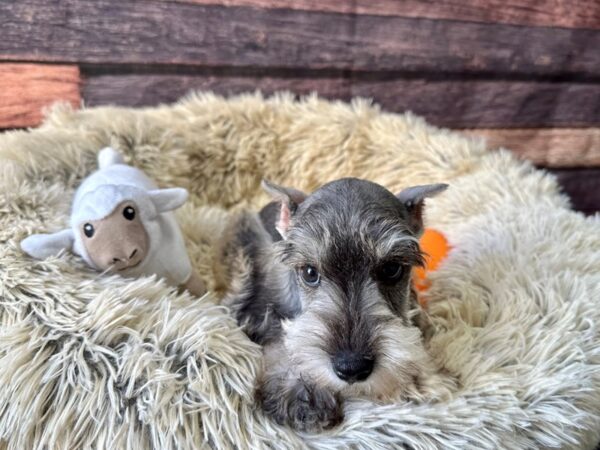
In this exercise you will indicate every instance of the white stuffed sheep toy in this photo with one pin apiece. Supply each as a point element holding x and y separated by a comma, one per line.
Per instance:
<point>121,222</point>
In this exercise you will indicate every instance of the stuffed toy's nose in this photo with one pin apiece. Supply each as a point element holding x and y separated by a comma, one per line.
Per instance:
<point>121,257</point>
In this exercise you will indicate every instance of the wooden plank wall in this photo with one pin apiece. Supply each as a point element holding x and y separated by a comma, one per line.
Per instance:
<point>524,73</point>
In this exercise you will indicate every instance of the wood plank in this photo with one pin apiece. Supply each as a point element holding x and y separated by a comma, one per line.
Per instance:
<point>547,13</point>
<point>158,32</point>
<point>556,147</point>
<point>583,187</point>
<point>26,89</point>
<point>493,104</point>
<point>457,104</point>
<point>147,90</point>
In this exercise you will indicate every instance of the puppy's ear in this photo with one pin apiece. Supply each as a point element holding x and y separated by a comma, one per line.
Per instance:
<point>289,199</point>
<point>42,246</point>
<point>168,199</point>
<point>413,199</point>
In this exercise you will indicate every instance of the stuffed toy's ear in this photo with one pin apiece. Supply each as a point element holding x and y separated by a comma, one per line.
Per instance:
<point>290,199</point>
<point>42,246</point>
<point>413,199</point>
<point>168,199</point>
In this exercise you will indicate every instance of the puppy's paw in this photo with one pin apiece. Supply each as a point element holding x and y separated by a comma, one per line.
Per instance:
<point>312,408</point>
<point>303,406</point>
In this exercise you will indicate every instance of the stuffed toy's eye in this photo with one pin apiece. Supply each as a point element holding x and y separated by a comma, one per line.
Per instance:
<point>390,272</point>
<point>310,276</point>
<point>88,230</point>
<point>129,213</point>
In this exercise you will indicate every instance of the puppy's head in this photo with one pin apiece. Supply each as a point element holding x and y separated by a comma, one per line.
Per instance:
<point>352,245</point>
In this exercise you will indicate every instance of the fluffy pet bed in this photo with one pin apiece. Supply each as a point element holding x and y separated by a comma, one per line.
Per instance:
<point>99,361</point>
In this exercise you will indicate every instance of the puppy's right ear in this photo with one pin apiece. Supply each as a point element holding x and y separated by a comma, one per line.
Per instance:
<point>42,246</point>
<point>289,199</point>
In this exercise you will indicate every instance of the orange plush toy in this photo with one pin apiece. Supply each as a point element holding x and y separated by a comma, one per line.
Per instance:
<point>435,247</point>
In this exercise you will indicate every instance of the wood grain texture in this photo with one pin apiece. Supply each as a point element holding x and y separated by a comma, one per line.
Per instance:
<point>159,32</point>
<point>459,104</point>
<point>583,188</point>
<point>556,147</point>
<point>146,90</point>
<point>26,89</point>
<point>558,13</point>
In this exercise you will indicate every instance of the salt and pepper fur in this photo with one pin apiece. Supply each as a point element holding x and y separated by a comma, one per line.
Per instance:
<point>347,230</point>
<point>133,229</point>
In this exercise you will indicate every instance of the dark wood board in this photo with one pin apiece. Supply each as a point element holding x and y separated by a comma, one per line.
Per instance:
<point>27,89</point>
<point>159,32</point>
<point>454,103</point>
<point>558,13</point>
<point>582,186</point>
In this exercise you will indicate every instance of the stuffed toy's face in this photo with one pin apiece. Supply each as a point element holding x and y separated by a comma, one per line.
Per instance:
<point>117,242</point>
<point>122,239</point>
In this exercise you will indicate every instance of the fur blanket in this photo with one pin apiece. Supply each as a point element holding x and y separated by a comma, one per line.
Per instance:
<point>96,361</point>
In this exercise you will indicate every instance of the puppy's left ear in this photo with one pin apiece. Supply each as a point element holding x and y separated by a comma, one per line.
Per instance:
<point>413,199</point>
<point>289,198</point>
<point>168,199</point>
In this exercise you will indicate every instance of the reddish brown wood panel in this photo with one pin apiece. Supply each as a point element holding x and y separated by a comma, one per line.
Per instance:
<point>459,104</point>
<point>26,89</point>
<point>556,147</point>
<point>558,13</point>
<point>158,32</point>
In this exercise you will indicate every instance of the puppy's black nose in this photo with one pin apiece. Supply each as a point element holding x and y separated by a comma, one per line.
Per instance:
<point>351,367</point>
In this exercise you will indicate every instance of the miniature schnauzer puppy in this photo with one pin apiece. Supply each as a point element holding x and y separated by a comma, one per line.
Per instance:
<point>323,282</point>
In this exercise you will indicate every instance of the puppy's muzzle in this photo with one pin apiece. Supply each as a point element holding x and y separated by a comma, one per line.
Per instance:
<point>351,367</point>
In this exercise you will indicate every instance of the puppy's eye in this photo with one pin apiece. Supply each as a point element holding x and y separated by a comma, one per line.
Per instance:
<point>310,276</point>
<point>88,230</point>
<point>129,213</point>
<point>390,272</point>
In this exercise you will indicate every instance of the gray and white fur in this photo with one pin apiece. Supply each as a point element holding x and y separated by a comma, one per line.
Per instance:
<point>323,282</point>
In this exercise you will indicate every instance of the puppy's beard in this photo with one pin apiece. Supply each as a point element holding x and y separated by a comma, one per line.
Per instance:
<point>401,363</point>
<point>401,360</point>
<point>304,341</point>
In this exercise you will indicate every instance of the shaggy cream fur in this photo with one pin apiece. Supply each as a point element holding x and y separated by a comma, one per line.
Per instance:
<point>89,360</point>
